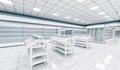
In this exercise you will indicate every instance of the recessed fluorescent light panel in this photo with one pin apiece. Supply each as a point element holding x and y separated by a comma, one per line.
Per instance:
<point>6,2</point>
<point>55,14</point>
<point>94,8</point>
<point>106,16</point>
<point>82,21</point>
<point>80,1</point>
<point>67,17</point>
<point>76,19</point>
<point>101,13</point>
<point>36,9</point>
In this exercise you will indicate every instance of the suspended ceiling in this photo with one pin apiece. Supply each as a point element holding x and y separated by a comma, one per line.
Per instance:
<point>74,11</point>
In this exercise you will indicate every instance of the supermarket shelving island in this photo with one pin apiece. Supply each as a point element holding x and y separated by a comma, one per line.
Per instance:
<point>82,41</point>
<point>63,45</point>
<point>37,51</point>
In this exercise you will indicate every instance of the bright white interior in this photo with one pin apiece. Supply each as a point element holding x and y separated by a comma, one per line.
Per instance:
<point>59,35</point>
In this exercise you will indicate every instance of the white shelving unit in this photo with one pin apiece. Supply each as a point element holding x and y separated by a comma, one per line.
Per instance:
<point>108,34</point>
<point>63,45</point>
<point>37,51</point>
<point>82,41</point>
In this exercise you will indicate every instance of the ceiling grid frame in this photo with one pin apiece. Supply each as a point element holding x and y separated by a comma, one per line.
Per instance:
<point>67,10</point>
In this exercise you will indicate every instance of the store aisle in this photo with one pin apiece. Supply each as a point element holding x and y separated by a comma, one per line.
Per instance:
<point>104,59</point>
<point>99,57</point>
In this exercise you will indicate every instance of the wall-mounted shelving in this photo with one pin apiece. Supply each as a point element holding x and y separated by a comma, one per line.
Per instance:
<point>108,34</point>
<point>117,33</point>
<point>37,51</point>
<point>63,32</point>
<point>97,34</point>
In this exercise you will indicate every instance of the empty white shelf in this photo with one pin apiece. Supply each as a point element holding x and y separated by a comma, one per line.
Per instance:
<point>63,51</point>
<point>39,60</point>
<point>38,53</point>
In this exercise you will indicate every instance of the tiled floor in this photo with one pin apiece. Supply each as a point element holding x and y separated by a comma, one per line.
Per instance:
<point>99,57</point>
<point>9,58</point>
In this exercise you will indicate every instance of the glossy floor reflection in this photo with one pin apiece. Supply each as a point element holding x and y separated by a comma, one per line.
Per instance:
<point>98,57</point>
